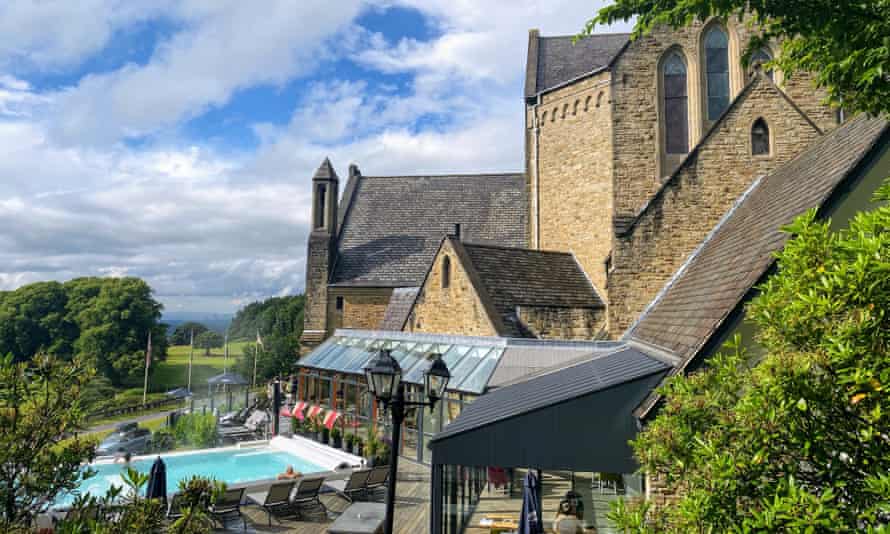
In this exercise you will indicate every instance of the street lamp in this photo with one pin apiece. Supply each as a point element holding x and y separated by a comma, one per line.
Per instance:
<point>384,377</point>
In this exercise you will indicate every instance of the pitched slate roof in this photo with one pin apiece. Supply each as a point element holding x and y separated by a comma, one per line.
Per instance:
<point>556,60</point>
<point>739,252</point>
<point>392,225</point>
<point>598,372</point>
<point>399,308</point>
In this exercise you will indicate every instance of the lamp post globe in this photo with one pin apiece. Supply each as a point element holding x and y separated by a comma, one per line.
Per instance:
<point>436,380</point>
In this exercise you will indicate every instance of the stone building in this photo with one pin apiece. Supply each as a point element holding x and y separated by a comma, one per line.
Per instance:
<point>635,152</point>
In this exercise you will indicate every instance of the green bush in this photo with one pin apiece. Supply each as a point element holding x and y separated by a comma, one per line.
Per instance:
<point>162,440</point>
<point>196,430</point>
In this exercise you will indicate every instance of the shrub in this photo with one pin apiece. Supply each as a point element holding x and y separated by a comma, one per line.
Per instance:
<point>196,430</point>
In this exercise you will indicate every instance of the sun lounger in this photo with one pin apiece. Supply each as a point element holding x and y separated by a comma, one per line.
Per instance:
<point>276,501</point>
<point>228,505</point>
<point>354,487</point>
<point>306,496</point>
<point>377,479</point>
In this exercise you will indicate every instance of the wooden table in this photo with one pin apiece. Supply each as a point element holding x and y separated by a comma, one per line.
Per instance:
<point>360,518</point>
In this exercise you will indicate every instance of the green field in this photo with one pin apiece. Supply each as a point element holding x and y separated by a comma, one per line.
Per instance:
<point>173,372</point>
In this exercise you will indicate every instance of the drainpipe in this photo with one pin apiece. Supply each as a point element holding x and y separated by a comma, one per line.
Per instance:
<point>536,187</point>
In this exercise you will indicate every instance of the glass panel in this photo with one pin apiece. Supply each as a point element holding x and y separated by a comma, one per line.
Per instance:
<point>716,105</point>
<point>477,381</point>
<point>760,138</point>
<point>718,85</point>
<point>676,121</point>
<point>318,354</point>
<point>350,356</point>
<point>468,364</point>
<point>331,355</point>
<point>717,69</point>
<point>453,356</point>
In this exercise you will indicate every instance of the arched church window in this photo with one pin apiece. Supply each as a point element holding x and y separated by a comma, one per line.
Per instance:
<point>446,272</point>
<point>544,117</point>
<point>587,103</point>
<point>320,206</point>
<point>565,109</point>
<point>760,138</point>
<point>575,108</point>
<point>599,99</point>
<point>553,114</point>
<point>717,71</point>
<point>676,104</point>
<point>762,57</point>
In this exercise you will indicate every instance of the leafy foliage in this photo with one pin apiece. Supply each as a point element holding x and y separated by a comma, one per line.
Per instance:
<point>279,321</point>
<point>799,441</point>
<point>197,494</point>
<point>105,319</point>
<point>182,334</point>
<point>196,430</point>
<point>844,43</point>
<point>39,406</point>
<point>209,340</point>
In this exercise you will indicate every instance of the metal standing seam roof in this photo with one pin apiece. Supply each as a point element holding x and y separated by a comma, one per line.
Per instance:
<point>600,372</point>
<point>476,363</point>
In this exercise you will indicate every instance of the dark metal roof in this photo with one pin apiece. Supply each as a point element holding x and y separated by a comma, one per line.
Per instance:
<point>579,417</point>
<point>715,281</point>
<point>394,225</point>
<point>399,308</point>
<point>559,60</point>
<point>600,372</point>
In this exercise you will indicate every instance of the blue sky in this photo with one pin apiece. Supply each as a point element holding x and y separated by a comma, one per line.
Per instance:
<point>175,139</point>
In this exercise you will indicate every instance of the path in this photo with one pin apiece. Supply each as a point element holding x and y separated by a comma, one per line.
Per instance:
<point>137,419</point>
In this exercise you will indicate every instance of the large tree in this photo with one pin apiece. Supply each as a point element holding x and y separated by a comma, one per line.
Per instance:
<point>279,321</point>
<point>798,441</point>
<point>182,334</point>
<point>209,340</point>
<point>844,43</point>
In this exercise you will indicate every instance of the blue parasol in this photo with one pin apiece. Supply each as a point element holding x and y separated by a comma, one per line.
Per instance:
<point>530,520</point>
<point>157,481</point>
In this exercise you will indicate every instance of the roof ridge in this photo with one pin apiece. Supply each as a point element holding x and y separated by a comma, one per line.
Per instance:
<point>450,175</point>
<point>606,34</point>
<point>468,243</point>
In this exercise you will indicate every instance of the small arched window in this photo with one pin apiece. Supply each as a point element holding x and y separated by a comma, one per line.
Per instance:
<point>446,272</point>
<point>676,105</point>
<point>760,138</point>
<point>565,109</point>
<point>599,99</point>
<point>717,71</point>
<point>320,203</point>
<point>553,114</point>
<point>587,103</point>
<point>575,108</point>
<point>762,57</point>
<point>544,117</point>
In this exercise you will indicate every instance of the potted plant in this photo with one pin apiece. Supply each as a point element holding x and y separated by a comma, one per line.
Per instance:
<point>359,446</point>
<point>336,438</point>
<point>382,456</point>
<point>350,443</point>
<point>325,434</point>
<point>371,451</point>
<point>296,426</point>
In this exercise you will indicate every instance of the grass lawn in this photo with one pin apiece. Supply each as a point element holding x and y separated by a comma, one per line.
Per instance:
<point>173,372</point>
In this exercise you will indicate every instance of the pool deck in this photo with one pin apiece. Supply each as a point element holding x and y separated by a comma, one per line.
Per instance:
<point>412,507</point>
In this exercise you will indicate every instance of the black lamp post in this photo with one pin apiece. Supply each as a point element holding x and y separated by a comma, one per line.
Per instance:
<point>384,377</point>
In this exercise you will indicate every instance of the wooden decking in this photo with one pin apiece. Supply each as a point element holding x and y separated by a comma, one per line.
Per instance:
<point>412,507</point>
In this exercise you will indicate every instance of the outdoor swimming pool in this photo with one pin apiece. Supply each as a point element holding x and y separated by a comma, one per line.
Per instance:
<point>229,465</point>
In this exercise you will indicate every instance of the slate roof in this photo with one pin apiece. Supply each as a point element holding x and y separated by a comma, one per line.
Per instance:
<point>599,372</point>
<point>393,225</point>
<point>399,308</point>
<point>554,61</point>
<point>740,251</point>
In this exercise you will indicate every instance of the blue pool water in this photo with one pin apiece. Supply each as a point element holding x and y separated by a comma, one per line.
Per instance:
<point>230,466</point>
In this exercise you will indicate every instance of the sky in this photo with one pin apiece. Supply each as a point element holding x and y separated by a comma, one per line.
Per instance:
<point>175,140</point>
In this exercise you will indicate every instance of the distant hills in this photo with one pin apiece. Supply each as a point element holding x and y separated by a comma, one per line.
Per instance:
<point>217,322</point>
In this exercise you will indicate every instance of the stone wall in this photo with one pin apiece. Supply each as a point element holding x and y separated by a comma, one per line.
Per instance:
<point>563,323</point>
<point>456,309</point>
<point>363,307</point>
<point>574,173</point>
<point>692,202</point>
<point>318,261</point>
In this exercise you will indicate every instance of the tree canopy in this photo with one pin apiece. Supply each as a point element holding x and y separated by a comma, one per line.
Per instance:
<point>182,334</point>
<point>798,441</point>
<point>844,43</point>
<point>104,319</point>
<point>209,340</point>
<point>279,322</point>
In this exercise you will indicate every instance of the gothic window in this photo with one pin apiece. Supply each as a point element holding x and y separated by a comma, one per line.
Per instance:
<point>676,105</point>
<point>759,58</point>
<point>543,117</point>
<point>599,99</point>
<point>565,108</point>
<point>446,272</point>
<point>553,114</point>
<point>760,138</point>
<point>717,71</point>
<point>575,108</point>
<point>587,103</point>
<point>319,206</point>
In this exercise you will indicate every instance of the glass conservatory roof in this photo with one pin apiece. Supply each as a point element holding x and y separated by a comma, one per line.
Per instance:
<point>476,363</point>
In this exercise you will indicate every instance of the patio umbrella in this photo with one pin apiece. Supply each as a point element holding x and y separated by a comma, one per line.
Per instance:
<point>530,520</point>
<point>157,481</point>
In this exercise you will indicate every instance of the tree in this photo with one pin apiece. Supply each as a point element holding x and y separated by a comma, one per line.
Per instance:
<point>279,321</point>
<point>209,340</point>
<point>844,43</point>
<point>39,407</point>
<point>799,440</point>
<point>182,335</point>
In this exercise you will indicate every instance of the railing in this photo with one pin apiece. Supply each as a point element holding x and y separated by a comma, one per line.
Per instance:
<point>133,408</point>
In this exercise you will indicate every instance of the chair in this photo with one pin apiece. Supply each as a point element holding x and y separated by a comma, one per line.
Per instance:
<point>350,489</point>
<point>174,509</point>
<point>307,495</point>
<point>276,501</point>
<point>378,478</point>
<point>228,505</point>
